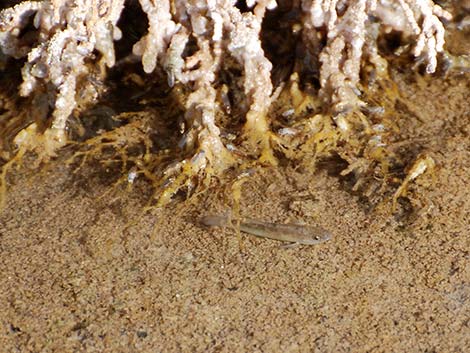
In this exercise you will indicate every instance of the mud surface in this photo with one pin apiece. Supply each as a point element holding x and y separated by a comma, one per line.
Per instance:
<point>85,272</point>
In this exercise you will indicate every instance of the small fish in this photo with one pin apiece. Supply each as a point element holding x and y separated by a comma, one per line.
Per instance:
<point>293,233</point>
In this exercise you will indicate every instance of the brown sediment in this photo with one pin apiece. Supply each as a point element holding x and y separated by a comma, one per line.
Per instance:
<point>83,273</point>
<point>84,268</point>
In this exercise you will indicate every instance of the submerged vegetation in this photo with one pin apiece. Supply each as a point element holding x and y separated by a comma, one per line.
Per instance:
<point>203,88</point>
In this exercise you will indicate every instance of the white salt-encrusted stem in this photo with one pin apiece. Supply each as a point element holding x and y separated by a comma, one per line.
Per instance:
<point>245,46</point>
<point>69,32</point>
<point>345,25</point>
<point>191,39</point>
<point>161,29</point>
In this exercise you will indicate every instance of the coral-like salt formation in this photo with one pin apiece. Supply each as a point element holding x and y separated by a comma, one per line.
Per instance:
<point>68,48</point>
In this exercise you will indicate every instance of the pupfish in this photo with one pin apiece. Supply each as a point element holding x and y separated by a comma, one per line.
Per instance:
<point>291,232</point>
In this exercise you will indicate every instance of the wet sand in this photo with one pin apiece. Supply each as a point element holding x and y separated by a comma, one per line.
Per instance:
<point>83,273</point>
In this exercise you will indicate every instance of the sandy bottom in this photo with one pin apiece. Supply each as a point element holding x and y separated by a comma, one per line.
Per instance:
<point>80,272</point>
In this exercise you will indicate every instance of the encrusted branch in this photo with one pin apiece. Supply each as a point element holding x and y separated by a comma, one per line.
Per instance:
<point>69,44</point>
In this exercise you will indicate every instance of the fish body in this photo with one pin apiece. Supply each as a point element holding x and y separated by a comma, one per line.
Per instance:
<point>291,232</point>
